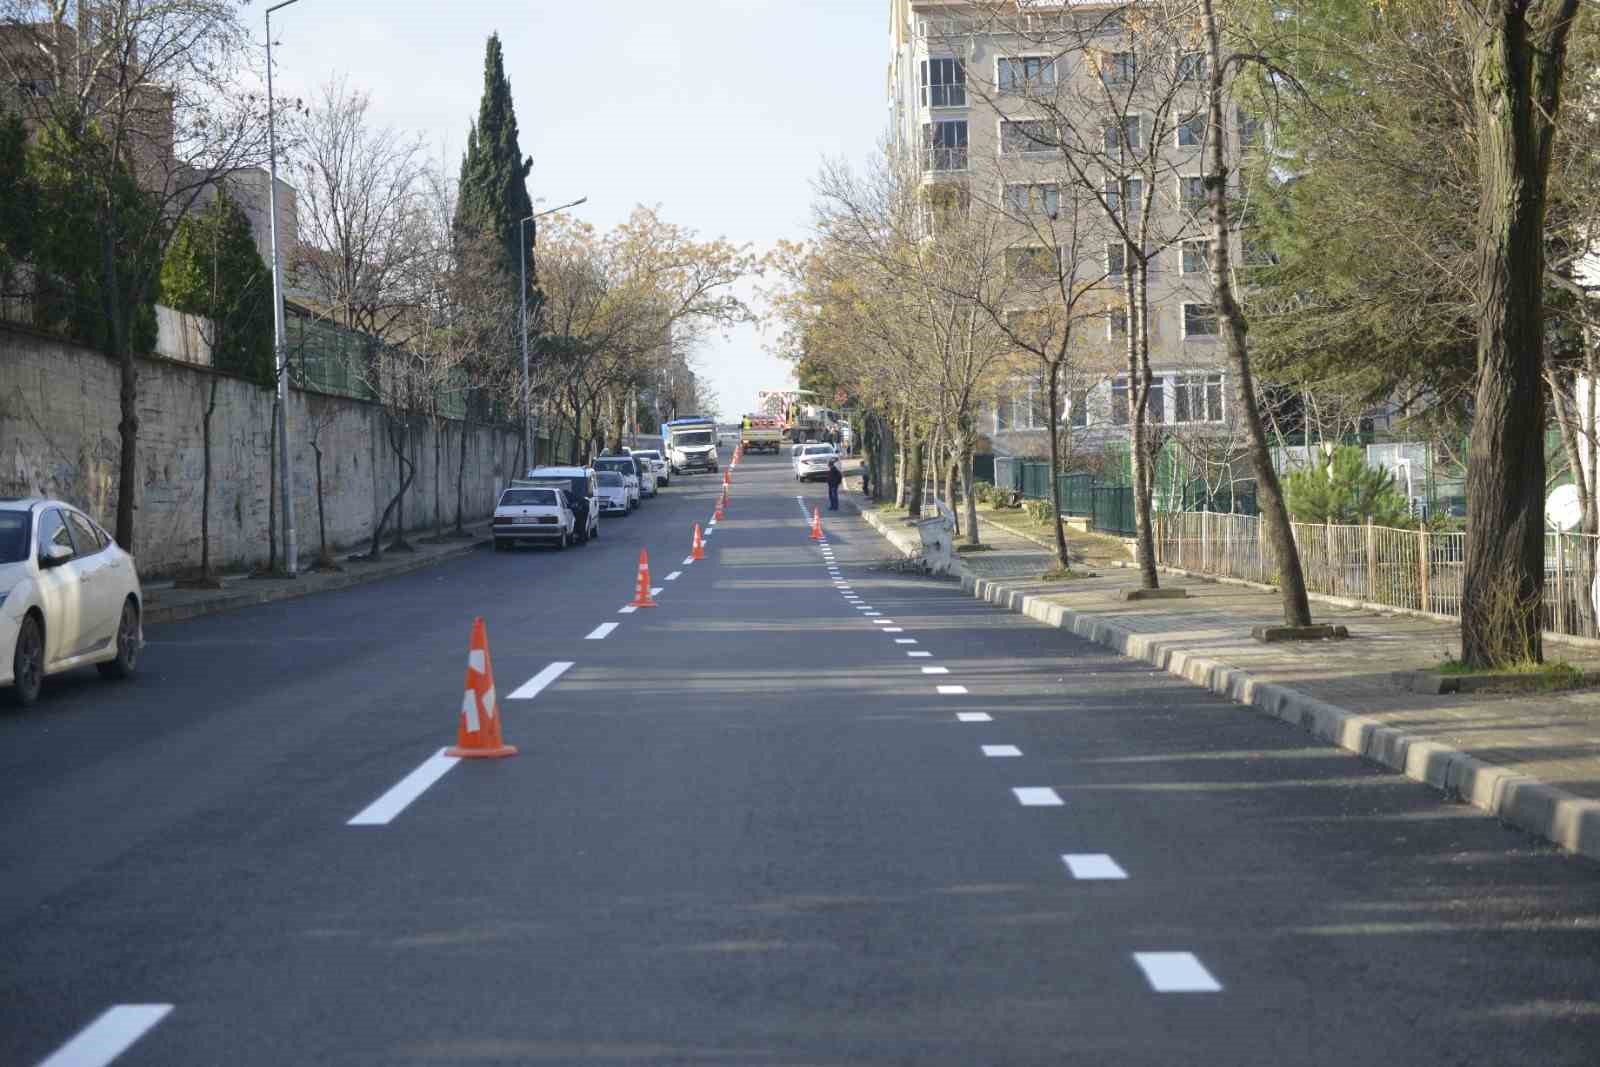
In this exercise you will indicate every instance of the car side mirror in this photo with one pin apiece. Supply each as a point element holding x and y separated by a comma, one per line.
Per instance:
<point>55,555</point>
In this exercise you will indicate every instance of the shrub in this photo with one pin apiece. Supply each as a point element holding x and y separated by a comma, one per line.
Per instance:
<point>982,492</point>
<point>1341,488</point>
<point>1040,511</point>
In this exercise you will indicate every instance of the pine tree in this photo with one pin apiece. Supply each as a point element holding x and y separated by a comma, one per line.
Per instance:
<point>494,173</point>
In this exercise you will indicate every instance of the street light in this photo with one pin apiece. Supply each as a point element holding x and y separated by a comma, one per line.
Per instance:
<point>291,550</point>
<point>527,389</point>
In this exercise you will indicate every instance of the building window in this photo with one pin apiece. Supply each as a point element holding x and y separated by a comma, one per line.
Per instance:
<point>944,83</point>
<point>1032,261</point>
<point>1192,131</point>
<point>1199,320</point>
<point>1118,68</point>
<point>1117,324</point>
<point>1078,409</point>
<point>1192,194</point>
<point>1037,198</point>
<point>1191,66</point>
<point>1131,191</point>
<point>1121,135</point>
<point>944,145</point>
<point>1122,401</point>
<point>1196,257</point>
<point>1026,136</point>
<point>1026,74</point>
<point>1118,253</point>
<point>1249,128</point>
<point>1197,398</point>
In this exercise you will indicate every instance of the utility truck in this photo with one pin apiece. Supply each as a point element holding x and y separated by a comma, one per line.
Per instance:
<point>691,444</point>
<point>760,433</point>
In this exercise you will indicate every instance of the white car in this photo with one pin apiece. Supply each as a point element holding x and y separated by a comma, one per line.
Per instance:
<point>69,597</point>
<point>811,461</point>
<point>539,514</point>
<point>613,488</point>
<point>658,464</point>
<point>624,466</point>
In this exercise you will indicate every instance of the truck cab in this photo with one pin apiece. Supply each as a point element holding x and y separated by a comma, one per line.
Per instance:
<point>690,444</point>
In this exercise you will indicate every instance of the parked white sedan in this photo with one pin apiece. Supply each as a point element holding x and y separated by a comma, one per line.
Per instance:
<point>69,597</point>
<point>538,514</point>
<point>812,461</point>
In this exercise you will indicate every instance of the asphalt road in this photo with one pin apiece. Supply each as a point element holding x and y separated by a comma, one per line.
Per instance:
<point>745,827</point>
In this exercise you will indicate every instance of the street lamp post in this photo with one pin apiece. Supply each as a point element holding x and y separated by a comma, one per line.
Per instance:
<point>527,389</point>
<point>291,552</point>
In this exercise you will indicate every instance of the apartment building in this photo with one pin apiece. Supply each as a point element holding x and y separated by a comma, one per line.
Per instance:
<point>1062,119</point>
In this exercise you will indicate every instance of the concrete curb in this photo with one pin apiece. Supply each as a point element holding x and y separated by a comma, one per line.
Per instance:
<point>1568,820</point>
<point>1571,821</point>
<point>901,540</point>
<point>267,591</point>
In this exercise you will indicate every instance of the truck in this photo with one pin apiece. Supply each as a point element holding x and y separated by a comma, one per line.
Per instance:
<point>760,433</point>
<point>690,444</point>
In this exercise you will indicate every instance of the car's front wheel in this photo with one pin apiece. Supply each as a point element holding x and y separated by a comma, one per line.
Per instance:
<point>127,660</point>
<point>27,663</point>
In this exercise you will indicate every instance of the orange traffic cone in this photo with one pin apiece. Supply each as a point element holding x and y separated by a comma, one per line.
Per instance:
<point>722,501</point>
<point>816,524</point>
<point>478,729</point>
<point>724,479</point>
<point>699,551</point>
<point>641,598</point>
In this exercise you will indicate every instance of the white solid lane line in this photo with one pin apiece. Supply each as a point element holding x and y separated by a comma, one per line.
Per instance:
<point>1038,797</point>
<point>599,632</point>
<point>674,576</point>
<point>1001,751</point>
<point>973,716</point>
<point>1093,865</point>
<point>109,1036</point>
<point>936,670</point>
<point>952,690</point>
<point>1176,972</point>
<point>383,810</point>
<point>536,685</point>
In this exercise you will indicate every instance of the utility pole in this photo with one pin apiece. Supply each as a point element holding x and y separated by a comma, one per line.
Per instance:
<point>291,548</point>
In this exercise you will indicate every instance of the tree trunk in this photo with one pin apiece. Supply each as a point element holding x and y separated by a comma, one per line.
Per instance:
<point>205,483</point>
<point>324,557</point>
<point>1235,337</point>
<point>903,463</point>
<point>405,470</point>
<point>1139,380</point>
<point>1518,64</point>
<point>1063,557</point>
<point>969,502</point>
<point>917,476</point>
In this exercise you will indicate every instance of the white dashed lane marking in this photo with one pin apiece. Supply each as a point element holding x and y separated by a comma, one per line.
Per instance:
<point>952,690</point>
<point>916,655</point>
<point>1176,972</point>
<point>907,641</point>
<point>1001,751</point>
<point>892,629</point>
<point>1038,797</point>
<point>1086,866</point>
<point>688,560</point>
<point>109,1036</point>
<point>974,716</point>
<point>936,670</point>
<point>674,576</point>
<point>382,811</point>
<point>536,685</point>
<point>626,609</point>
<point>599,633</point>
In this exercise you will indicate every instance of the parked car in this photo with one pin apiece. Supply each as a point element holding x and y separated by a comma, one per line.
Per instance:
<point>812,461</point>
<point>624,466</point>
<point>646,472</point>
<point>614,499</point>
<point>658,464</point>
<point>542,515</point>
<point>69,597</point>
<point>580,486</point>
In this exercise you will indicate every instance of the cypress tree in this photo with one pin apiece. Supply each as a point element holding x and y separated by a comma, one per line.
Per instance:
<point>494,192</point>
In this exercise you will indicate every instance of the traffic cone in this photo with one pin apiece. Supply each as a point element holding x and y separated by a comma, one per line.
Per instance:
<point>816,524</point>
<point>478,728</point>
<point>641,599</point>
<point>699,545</point>
<point>721,502</point>
<point>724,479</point>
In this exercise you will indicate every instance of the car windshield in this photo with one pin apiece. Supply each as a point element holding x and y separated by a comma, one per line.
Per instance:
<point>14,536</point>
<point>543,498</point>
<point>652,454</point>
<point>609,479</point>
<point>699,437</point>
<point>624,466</point>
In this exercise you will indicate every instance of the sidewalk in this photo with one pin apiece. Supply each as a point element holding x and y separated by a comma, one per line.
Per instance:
<point>164,602</point>
<point>1533,760</point>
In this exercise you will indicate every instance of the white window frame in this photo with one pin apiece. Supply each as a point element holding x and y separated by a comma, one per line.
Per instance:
<point>928,148</point>
<point>1155,408</point>
<point>1115,188</point>
<point>1181,71</point>
<point>1195,123</point>
<point>1193,383</point>
<point>1119,126</point>
<point>925,84</point>
<point>1034,148</point>
<point>1042,207</point>
<point>1183,321</point>
<point>1204,244</point>
<point>1183,201</point>
<point>1048,63</point>
<point>1112,314</point>
<point>1114,61</point>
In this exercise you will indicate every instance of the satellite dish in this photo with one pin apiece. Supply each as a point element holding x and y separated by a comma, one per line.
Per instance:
<point>1562,509</point>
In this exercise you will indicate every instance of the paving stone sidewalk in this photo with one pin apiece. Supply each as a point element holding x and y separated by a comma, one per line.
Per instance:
<point>1532,759</point>
<point>166,602</point>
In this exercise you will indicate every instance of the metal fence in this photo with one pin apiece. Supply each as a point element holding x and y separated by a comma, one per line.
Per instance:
<point>1082,495</point>
<point>1419,570</point>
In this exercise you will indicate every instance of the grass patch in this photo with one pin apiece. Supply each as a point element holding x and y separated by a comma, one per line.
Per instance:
<point>1539,677</point>
<point>974,548</point>
<point>1063,574</point>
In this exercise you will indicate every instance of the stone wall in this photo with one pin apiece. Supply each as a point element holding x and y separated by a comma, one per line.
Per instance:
<point>59,411</point>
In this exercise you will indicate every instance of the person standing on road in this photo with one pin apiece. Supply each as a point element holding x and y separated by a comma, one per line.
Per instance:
<point>835,479</point>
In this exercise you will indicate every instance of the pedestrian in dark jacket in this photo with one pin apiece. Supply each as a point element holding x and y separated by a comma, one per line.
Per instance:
<point>835,479</point>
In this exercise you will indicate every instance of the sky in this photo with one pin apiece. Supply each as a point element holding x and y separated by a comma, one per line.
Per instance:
<point>718,111</point>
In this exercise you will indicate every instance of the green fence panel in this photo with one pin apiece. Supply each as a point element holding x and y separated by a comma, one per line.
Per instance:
<point>1113,509</point>
<point>1035,479</point>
